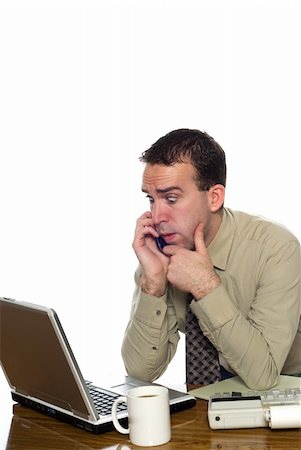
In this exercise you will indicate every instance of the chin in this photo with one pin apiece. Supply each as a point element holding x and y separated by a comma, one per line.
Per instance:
<point>187,245</point>
<point>190,246</point>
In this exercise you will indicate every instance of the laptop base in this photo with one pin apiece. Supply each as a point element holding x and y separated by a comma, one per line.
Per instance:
<point>71,420</point>
<point>82,424</point>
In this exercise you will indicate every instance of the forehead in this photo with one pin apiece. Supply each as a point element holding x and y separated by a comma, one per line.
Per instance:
<point>161,177</point>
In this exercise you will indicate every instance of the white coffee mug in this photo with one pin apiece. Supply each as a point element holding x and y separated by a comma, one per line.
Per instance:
<point>148,415</point>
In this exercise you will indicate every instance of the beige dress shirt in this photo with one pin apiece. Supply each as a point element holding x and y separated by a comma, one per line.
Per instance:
<point>252,318</point>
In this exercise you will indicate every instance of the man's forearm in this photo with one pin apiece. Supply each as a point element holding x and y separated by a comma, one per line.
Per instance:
<point>251,352</point>
<point>150,339</point>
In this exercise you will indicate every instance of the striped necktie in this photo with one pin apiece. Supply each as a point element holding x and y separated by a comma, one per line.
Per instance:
<point>202,366</point>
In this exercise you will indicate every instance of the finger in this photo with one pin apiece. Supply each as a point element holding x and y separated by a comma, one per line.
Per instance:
<point>149,231</point>
<point>145,226</point>
<point>145,215</point>
<point>199,240</point>
<point>170,249</point>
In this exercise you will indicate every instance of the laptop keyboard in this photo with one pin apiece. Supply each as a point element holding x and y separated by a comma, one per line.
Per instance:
<point>104,400</point>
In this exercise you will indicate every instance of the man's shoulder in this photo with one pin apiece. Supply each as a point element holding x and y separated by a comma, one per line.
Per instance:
<point>258,228</point>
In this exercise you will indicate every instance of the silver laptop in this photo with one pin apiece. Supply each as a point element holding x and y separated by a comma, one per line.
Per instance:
<point>43,374</point>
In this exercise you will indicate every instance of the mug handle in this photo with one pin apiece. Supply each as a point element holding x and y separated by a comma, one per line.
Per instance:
<point>116,423</point>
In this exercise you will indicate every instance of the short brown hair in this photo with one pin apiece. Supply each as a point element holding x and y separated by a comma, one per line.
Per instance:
<point>194,146</point>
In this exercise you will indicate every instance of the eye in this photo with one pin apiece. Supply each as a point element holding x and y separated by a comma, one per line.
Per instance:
<point>150,199</point>
<point>171,199</point>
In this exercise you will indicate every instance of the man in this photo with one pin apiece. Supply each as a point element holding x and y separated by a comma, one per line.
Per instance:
<point>242,271</point>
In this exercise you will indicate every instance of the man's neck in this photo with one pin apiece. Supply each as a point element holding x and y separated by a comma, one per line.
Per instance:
<point>214,226</point>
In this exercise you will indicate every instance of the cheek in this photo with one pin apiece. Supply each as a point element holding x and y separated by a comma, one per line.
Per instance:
<point>188,227</point>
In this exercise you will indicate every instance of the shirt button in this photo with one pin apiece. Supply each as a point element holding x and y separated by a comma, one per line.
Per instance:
<point>158,312</point>
<point>154,348</point>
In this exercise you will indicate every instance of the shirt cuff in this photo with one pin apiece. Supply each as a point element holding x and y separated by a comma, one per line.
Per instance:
<point>214,310</point>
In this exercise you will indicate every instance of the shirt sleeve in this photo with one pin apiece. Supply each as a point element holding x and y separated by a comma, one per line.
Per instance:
<point>151,336</point>
<point>256,346</point>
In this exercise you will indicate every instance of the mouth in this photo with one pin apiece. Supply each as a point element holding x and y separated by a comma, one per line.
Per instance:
<point>168,238</point>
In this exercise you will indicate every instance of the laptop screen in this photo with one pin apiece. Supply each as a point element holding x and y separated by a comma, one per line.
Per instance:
<point>37,358</point>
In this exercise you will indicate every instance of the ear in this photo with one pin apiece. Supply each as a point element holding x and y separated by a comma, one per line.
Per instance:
<point>216,197</point>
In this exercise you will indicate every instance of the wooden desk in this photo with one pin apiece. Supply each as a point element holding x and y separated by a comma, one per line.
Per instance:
<point>29,430</point>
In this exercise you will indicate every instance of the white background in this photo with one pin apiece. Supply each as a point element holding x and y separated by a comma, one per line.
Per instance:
<point>86,86</point>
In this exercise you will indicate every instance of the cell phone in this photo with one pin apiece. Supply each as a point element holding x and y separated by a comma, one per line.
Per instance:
<point>160,243</point>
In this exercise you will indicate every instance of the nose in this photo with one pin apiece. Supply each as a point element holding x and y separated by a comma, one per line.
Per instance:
<point>159,213</point>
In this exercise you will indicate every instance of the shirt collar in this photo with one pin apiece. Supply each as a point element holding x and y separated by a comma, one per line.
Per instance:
<point>219,248</point>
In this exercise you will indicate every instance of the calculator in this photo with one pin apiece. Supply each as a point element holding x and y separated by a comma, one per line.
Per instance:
<point>272,408</point>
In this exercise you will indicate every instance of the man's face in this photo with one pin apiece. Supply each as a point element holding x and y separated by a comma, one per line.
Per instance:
<point>176,204</point>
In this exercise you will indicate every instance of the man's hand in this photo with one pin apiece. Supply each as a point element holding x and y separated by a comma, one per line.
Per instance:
<point>153,262</point>
<point>192,271</point>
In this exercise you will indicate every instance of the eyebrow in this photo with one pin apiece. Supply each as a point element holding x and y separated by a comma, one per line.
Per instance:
<point>165,190</point>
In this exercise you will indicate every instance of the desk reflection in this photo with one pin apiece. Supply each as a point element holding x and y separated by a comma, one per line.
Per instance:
<point>28,433</point>
<point>30,430</point>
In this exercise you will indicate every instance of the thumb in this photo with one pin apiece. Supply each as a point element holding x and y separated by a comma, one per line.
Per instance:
<point>199,240</point>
